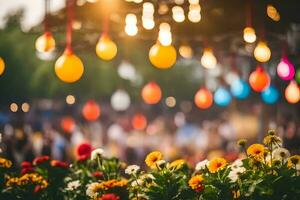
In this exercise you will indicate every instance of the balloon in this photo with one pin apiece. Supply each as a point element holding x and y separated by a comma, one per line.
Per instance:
<point>91,110</point>
<point>262,52</point>
<point>240,89</point>
<point>270,95</point>
<point>297,76</point>
<point>203,98</point>
<point>151,93</point>
<point>69,67</point>
<point>67,124</point>
<point>285,69</point>
<point>120,100</point>
<point>222,97</point>
<point>259,79</point>
<point>292,92</point>
<point>106,49</point>
<point>45,43</point>
<point>139,121</point>
<point>2,66</point>
<point>162,57</point>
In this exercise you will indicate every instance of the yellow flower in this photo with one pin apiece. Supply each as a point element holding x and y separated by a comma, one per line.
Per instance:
<point>196,181</point>
<point>256,151</point>
<point>236,194</point>
<point>106,185</point>
<point>272,140</point>
<point>152,158</point>
<point>294,161</point>
<point>4,163</point>
<point>216,164</point>
<point>177,164</point>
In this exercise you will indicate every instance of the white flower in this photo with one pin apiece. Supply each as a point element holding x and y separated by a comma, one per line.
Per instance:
<point>281,154</point>
<point>137,182</point>
<point>91,190</point>
<point>235,172</point>
<point>160,162</point>
<point>237,164</point>
<point>201,165</point>
<point>132,169</point>
<point>73,185</point>
<point>97,153</point>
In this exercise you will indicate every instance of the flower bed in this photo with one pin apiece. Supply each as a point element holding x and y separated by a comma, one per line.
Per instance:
<point>265,172</point>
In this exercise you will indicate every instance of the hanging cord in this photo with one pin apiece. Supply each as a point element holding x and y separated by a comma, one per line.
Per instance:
<point>249,13</point>
<point>70,15</point>
<point>46,25</point>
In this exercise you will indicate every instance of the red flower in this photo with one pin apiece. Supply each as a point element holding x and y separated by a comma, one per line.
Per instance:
<point>26,164</point>
<point>84,149</point>
<point>200,188</point>
<point>56,163</point>
<point>109,197</point>
<point>27,170</point>
<point>41,159</point>
<point>98,175</point>
<point>37,189</point>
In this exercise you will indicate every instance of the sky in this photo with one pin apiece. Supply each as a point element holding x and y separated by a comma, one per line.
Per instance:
<point>34,10</point>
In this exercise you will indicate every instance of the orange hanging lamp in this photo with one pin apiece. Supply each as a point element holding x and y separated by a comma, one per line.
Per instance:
<point>68,67</point>
<point>67,124</point>
<point>292,92</point>
<point>91,111</point>
<point>203,98</point>
<point>139,121</point>
<point>259,80</point>
<point>151,93</point>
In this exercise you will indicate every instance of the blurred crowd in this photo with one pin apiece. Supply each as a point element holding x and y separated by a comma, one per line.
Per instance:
<point>174,135</point>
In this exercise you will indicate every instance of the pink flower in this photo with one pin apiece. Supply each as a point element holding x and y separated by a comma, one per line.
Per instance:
<point>84,149</point>
<point>27,170</point>
<point>40,160</point>
<point>26,164</point>
<point>109,197</point>
<point>57,163</point>
<point>98,175</point>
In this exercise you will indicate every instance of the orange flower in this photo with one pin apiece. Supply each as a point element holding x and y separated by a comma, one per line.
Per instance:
<point>294,161</point>
<point>153,157</point>
<point>196,182</point>
<point>256,151</point>
<point>216,164</point>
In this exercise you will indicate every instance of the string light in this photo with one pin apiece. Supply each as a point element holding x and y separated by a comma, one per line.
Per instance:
<point>170,101</point>
<point>262,52</point>
<point>186,51</point>
<point>208,59</point>
<point>165,35</point>
<point>194,14</point>
<point>163,9</point>
<point>148,16</point>
<point>25,107</point>
<point>273,13</point>
<point>13,107</point>
<point>249,35</point>
<point>131,21</point>
<point>70,99</point>
<point>178,14</point>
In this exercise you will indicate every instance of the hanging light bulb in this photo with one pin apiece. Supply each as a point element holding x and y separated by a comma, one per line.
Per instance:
<point>270,95</point>
<point>262,52</point>
<point>194,14</point>
<point>186,51</point>
<point>151,93</point>
<point>148,16</point>
<point>208,59</point>
<point>178,14</point>
<point>91,110</point>
<point>162,57</point>
<point>165,35</point>
<point>222,97</point>
<point>259,80</point>
<point>106,49</point>
<point>203,98</point>
<point>2,66</point>
<point>285,69</point>
<point>130,27</point>
<point>240,89</point>
<point>120,100</point>
<point>68,67</point>
<point>249,35</point>
<point>273,13</point>
<point>292,92</point>
<point>45,43</point>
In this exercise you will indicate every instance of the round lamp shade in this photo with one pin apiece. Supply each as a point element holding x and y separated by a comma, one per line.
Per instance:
<point>45,43</point>
<point>67,124</point>
<point>120,100</point>
<point>292,92</point>
<point>91,111</point>
<point>2,66</point>
<point>270,95</point>
<point>106,49</point>
<point>151,93</point>
<point>69,67</point>
<point>262,52</point>
<point>162,57</point>
<point>249,35</point>
<point>285,69</point>
<point>222,97</point>
<point>203,98</point>
<point>259,79</point>
<point>240,89</point>
<point>139,121</point>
